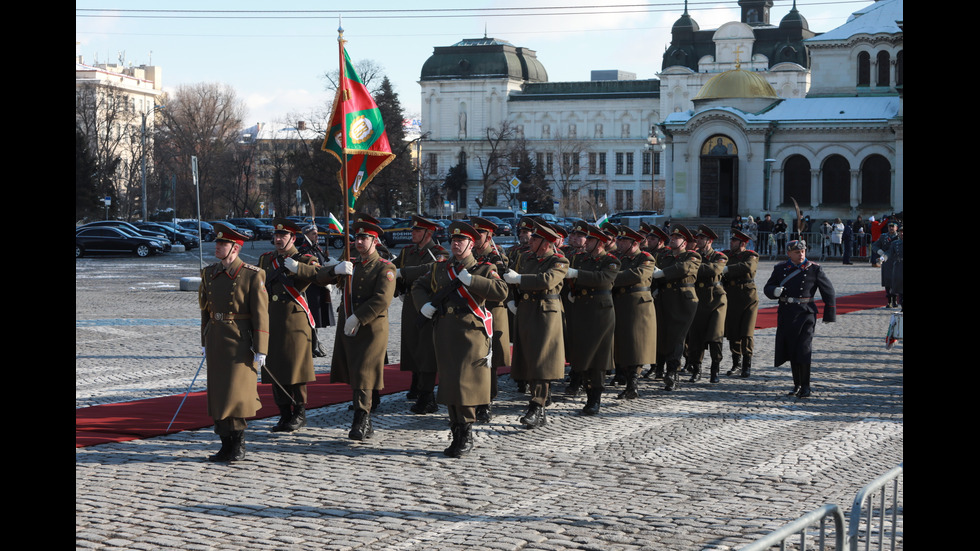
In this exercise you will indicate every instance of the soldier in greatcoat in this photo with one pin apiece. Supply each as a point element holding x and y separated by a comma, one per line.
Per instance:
<point>677,272</point>
<point>485,250</point>
<point>417,354</point>
<point>795,283</point>
<point>539,349</point>
<point>453,295</point>
<point>590,316</point>
<point>516,255</point>
<point>655,243</point>
<point>635,343</point>
<point>235,336</point>
<point>362,338</point>
<point>288,274</point>
<point>577,237</point>
<point>708,329</point>
<point>743,302</point>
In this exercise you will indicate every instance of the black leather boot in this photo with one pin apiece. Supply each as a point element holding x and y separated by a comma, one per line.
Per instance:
<point>462,440</point>
<point>715,367</point>
<point>695,373</point>
<point>671,377</point>
<point>746,366</point>
<point>659,373</point>
<point>736,366</point>
<point>237,442</point>
<point>298,420</point>
<point>425,404</point>
<point>361,427</point>
<point>534,417</point>
<point>483,413</point>
<point>223,453</point>
<point>574,384</point>
<point>413,389</point>
<point>631,392</point>
<point>592,404</point>
<point>285,415</point>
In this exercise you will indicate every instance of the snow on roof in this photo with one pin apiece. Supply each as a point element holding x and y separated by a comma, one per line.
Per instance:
<point>812,110</point>
<point>878,18</point>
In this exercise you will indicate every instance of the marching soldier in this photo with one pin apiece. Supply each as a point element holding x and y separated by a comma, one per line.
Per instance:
<point>417,354</point>
<point>316,296</point>
<point>539,350</point>
<point>452,294</point>
<point>795,283</point>
<point>486,251</point>
<point>515,259</point>
<point>359,349</point>
<point>288,273</point>
<point>590,316</point>
<point>655,244</point>
<point>235,336</point>
<point>677,272</point>
<point>708,329</point>
<point>743,303</point>
<point>576,244</point>
<point>636,342</point>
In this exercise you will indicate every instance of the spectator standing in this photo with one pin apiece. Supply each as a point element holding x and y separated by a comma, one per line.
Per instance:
<point>764,235</point>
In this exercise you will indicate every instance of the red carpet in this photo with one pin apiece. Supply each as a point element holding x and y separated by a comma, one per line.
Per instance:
<point>146,418</point>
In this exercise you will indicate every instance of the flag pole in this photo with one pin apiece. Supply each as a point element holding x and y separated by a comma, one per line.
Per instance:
<point>343,159</point>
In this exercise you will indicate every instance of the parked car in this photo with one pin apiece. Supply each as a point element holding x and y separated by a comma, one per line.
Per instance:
<point>130,230</point>
<point>207,230</point>
<point>109,240</point>
<point>503,228</point>
<point>244,231</point>
<point>261,231</point>
<point>185,238</point>
<point>398,233</point>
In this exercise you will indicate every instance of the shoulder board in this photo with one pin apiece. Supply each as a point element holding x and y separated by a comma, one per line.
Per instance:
<point>559,255</point>
<point>439,248</point>
<point>646,254</point>
<point>248,266</point>
<point>384,260</point>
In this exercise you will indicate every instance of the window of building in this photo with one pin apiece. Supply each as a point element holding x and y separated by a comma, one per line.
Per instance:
<point>835,181</point>
<point>624,199</point>
<point>592,163</point>
<point>656,163</point>
<point>797,181</point>
<point>433,164</point>
<point>646,162</point>
<point>549,163</point>
<point>876,182</point>
<point>619,163</point>
<point>864,69</point>
<point>629,162</point>
<point>883,68</point>
<point>602,163</point>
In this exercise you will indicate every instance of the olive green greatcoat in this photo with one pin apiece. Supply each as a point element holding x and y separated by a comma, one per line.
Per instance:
<point>539,350</point>
<point>231,344</point>
<point>501,323</point>
<point>290,358</point>
<point>458,334</point>
<point>359,360</point>
<point>679,301</point>
<point>709,322</point>
<point>743,299</point>
<point>416,352</point>
<point>590,318</point>
<point>636,316</point>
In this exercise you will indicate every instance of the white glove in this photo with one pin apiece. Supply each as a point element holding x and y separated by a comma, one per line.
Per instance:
<point>464,277</point>
<point>344,268</point>
<point>428,310</point>
<point>291,264</point>
<point>884,257</point>
<point>331,264</point>
<point>351,326</point>
<point>512,277</point>
<point>724,270</point>
<point>512,306</point>
<point>658,273</point>
<point>778,291</point>
<point>572,273</point>
<point>260,359</point>
<point>571,299</point>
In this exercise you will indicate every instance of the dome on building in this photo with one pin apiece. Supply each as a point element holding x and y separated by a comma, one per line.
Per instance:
<point>794,20</point>
<point>483,58</point>
<point>737,84</point>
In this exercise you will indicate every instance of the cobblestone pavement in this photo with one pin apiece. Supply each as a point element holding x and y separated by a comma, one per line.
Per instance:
<point>705,467</point>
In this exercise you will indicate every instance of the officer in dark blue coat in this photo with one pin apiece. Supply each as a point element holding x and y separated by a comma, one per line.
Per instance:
<point>794,283</point>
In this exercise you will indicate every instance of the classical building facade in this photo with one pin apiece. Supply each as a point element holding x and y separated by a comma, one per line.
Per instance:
<point>754,114</point>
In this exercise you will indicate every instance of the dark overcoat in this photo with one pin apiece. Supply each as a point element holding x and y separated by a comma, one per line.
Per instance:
<point>743,298</point>
<point>795,319</point>
<point>416,349</point>
<point>291,332</point>
<point>709,322</point>
<point>590,317</point>
<point>539,348</point>
<point>678,300</point>
<point>636,341</point>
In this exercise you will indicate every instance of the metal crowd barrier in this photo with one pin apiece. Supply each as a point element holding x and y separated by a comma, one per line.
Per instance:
<point>846,535</point>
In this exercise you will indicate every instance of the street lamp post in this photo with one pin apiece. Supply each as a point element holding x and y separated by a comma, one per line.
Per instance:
<point>656,145</point>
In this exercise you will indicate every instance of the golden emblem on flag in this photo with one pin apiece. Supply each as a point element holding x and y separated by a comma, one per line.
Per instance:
<point>361,129</point>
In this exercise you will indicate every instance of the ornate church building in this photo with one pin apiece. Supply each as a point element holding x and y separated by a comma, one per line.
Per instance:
<point>749,116</point>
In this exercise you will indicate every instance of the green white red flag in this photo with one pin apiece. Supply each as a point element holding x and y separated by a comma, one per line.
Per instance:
<point>357,135</point>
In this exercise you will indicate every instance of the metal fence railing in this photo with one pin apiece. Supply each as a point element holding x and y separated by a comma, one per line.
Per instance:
<point>872,517</point>
<point>772,245</point>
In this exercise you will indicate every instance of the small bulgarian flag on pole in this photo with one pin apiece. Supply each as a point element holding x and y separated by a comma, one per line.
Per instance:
<point>602,221</point>
<point>335,224</point>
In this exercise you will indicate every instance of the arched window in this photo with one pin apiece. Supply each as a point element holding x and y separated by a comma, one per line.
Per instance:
<point>900,68</point>
<point>876,182</point>
<point>883,69</point>
<point>864,69</point>
<point>836,176</point>
<point>796,181</point>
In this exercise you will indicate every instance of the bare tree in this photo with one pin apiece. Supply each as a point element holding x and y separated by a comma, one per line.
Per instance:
<point>494,160</point>
<point>572,155</point>
<point>203,120</point>
<point>370,72</point>
<point>104,117</point>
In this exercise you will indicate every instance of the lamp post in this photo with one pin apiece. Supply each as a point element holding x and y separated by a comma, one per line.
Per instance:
<point>418,167</point>
<point>767,183</point>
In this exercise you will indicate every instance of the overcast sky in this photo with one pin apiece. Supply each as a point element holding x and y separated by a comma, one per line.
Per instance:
<point>275,53</point>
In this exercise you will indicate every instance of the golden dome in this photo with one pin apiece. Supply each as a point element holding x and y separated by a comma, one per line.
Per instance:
<point>737,84</point>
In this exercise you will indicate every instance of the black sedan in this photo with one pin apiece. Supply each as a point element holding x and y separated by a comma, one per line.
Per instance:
<point>109,240</point>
